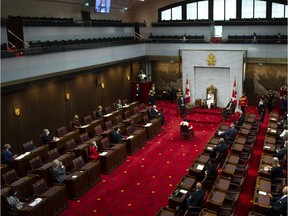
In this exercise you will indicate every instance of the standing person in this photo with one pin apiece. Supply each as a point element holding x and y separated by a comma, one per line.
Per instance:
<point>151,98</point>
<point>7,155</point>
<point>230,108</point>
<point>261,109</point>
<point>279,203</point>
<point>276,171</point>
<point>283,105</point>
<point>210,99</point>
<point>137,92</point>
<point>59,171</point>
<point>271,99</point>
<point>243,102</point>
<point>254,38</point>
<point>93,151</point>
<point>172,93</point>
<point>182,104</point>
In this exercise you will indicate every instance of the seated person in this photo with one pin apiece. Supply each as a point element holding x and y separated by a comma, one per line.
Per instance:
<point>117,136</point>
<point>230,108</point>
<point>13,201</point>
<point>76,122</point>
<point>99,113</point>
<point>280,153</point>
<point>46,137</point>
<point>194,198</point>
<point>221,148</point>
<point>157,114</point>
<point>186,123</point>
<point>7,155</point>
<point>241,119</point>
<point>93,151</point>
<point>279,203</point>
<point>209,170</point>
<point>59,171</point>
<point>210,99</point>
<point>276,171</point>
<point>229,133</point>
<point>119,104</point>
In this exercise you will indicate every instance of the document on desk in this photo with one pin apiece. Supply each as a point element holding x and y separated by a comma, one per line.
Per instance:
<point>130,137</point>
<point>84,126</point>
<point>35,202</point>
<point>267,147</point>
<point>148,125</point>
<point>74,176</point>
<point>22,156</point>
<point>262,193</point>
<point>125,106</point>
<point>200,167</point>
<point>103,153</point>
<point>273,131</point>
<point>183,191</point>
<point>210,148</point>
<point>107,115</point>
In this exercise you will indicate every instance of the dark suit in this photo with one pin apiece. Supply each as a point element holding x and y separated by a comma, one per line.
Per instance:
<point>279,205</point>
<point>99,114</point>
<point>7,156</point>
<point>229,133</point>
<point>46,138</point>
<point>230,108</point>
<point>221,148</point>
<point>59,173</point>
<point>276,172</point>
<point>211,171</point>
<point>157,114</point>
<point>117,137</point>
<point>195,199</point>
<point>281,153</point>
<point>137,93</point>
<point>182,105</point>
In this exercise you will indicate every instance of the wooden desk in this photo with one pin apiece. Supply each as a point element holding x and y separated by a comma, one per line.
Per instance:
<point>93,171</point>
<point>271,131</point>
<point>42,152</point>
<point>249,119</point>
<point>247,126</point>
<point>269,148</point>
<point>222,183</point>
<point>214,140</point>
<point>274,115</point>
<point>40,208</point>
<point>263,170</point>
<point>187,182</point>
<point>132,144</point>
<point>154,129</point>
<point>74,134</point>
<point>240,140</point>
<point>82,150</point>
<point>215,199</point>
<point>244,132</point>
<point>261,203</point>
<point>22,164</point>
<point>108,161</point>
<point>177,197</point>
<point>203,158</point>
<point>232,159</point>
<point>237,148</point>
<point>46,173</point>
<point>251,115</point>
<point>164,211</point>
<point>207,212</point>
<point>89,128</point>
<point>269,139</point>
<point>196,168</point>
<point>209,148</point>
<point>59,144</point>
<point>267,159</point>
<point>272,125</point>
<point>263,184</point>
<point>76,184</point>
<point>228,169</point>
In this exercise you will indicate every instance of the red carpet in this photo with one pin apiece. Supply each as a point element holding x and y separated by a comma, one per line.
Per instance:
<point>142,184</point>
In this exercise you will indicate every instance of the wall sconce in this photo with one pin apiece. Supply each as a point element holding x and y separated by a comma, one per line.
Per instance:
<point>17,111</point>
<point>102,85</point>
<point>128,77</point>
<point>67,96</point>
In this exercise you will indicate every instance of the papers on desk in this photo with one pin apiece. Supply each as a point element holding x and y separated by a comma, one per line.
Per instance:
<point>272,130</point>
<point>130,137</point>
<point>262,193</point>
<point>56,139</point>
<point>125,106</point>
<point>267,147</point>
<point>103,153</point>
<point>22,156</point>
<point>109,114</point>
<point>74,176</point>
<point>273,119</point>
<point>183,191</point>
<point>266,168</point>
<point>200,167</point>
<point>220,132</point>
<point>210,148</point>
<point>35,202</point>
<point>148,125</point>
<point>84,126</point>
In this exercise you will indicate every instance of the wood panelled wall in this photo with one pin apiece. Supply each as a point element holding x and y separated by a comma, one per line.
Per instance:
<point>43,104</point>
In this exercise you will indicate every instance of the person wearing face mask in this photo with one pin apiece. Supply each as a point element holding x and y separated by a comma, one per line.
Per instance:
<point>46,137</point>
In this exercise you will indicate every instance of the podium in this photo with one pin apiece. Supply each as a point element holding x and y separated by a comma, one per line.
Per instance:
<point>144,91</point>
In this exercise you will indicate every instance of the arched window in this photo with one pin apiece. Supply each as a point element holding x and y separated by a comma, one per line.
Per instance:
<point>253,9</point>
<point>224,9</point>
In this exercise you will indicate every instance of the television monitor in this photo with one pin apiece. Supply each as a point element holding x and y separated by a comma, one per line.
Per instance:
<point>102,6</point>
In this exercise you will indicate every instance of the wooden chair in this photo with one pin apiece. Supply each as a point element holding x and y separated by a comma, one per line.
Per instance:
<point>185,132</point>
<point>213,89</point>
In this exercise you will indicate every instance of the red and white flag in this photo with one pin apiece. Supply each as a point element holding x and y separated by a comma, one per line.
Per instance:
<point>187,92</point>
<point>234,92</point>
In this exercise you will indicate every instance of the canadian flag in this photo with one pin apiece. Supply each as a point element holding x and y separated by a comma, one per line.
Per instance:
<point>234,92</point>
<point>187,92</point>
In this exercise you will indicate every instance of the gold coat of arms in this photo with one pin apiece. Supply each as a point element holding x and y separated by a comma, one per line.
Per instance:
<point>211,60</point>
